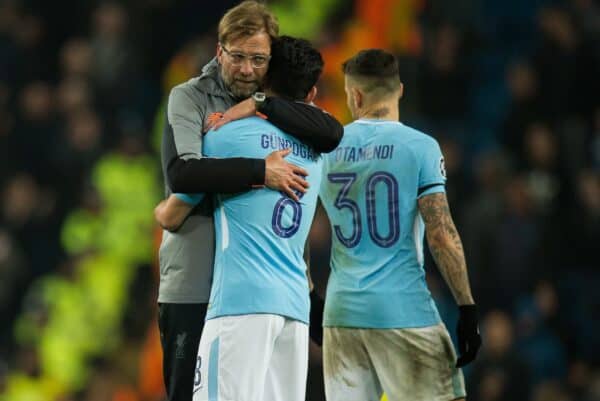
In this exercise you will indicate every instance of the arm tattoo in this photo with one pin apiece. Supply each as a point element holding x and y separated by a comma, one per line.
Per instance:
<point>445,245</point>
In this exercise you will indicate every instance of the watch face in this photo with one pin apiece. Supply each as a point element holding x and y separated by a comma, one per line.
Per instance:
<point>259,96</point>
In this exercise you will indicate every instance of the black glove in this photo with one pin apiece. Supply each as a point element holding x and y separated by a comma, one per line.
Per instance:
<point>316,318</point>
<point>469,339</point>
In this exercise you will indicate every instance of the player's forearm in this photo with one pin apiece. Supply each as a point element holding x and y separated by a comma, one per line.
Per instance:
<point>309,124</point>
<point>451,262</point>
<point>172,212</point>
<point>162,216</point>
<point>446,246</point>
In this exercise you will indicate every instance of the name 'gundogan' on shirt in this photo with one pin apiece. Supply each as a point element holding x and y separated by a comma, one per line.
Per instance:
<point>275,142</point>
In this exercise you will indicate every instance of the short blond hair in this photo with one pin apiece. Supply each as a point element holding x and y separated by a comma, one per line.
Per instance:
<point>246,19</point>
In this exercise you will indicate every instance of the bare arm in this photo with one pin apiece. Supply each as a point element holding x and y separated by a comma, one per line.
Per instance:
<point>172,212</point>
<point>445,246</point>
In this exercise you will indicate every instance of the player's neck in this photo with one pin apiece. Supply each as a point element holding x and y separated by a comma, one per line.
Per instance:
<point>381,111</point>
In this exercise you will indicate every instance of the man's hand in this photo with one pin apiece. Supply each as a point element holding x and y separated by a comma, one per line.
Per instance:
<point>469,339</point>
<point>246,108</point>
<point>284,176</point>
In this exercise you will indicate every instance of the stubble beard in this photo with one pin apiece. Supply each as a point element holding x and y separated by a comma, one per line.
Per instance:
<point>237,90</point>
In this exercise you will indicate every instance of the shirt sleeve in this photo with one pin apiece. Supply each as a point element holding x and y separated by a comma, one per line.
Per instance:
<point>186,171</point>
<point>190,199</point>
<point>432,172</point>
<point>308,123</point>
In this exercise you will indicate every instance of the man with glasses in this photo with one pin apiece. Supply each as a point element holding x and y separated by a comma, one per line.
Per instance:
<point>257,60</point>
<point>255,342</point>
<point>186,256</point>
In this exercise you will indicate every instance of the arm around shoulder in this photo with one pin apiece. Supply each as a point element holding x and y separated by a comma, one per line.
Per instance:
<point>186,170</point>
<point>308,123</point>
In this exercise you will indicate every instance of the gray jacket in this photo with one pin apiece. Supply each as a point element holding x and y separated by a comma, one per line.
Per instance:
<point>186,257</point>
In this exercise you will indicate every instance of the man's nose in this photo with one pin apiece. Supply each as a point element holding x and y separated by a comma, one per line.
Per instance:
<point>246,67</point>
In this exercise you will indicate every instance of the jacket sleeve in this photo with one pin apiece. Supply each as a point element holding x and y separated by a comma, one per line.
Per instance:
<point>308,123</point>
<point>185,169</point>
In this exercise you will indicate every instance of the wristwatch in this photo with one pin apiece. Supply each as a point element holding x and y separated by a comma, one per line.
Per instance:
<point>259,99</point>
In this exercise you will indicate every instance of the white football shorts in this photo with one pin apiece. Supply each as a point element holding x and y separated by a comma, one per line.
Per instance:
<point>252,358</point>
<point>415,364</point>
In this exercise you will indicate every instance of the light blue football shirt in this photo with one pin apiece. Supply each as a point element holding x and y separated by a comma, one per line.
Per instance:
<point>370,186</point>
<point>260,234</point>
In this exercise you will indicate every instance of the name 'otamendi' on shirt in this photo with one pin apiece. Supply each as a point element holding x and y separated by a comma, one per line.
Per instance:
<point>370,188</point>
<point>359,153</point>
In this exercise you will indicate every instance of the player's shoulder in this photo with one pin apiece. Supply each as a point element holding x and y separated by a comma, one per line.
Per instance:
<point>248,126</point>
<point>398,130</point>
<point>418,137</point>
<point>254,122</point>
<point>352,132</point>
<point>185,90</point>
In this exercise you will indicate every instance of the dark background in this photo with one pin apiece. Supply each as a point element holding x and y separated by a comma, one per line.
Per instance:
<point>510,89</point>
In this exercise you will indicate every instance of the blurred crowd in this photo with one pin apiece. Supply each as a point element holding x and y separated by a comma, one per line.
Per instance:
<point>70,91</point>
<point>509,88</point>
<point>512,91</point>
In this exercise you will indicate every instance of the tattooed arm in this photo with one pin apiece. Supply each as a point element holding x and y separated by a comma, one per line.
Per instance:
<point>445,245</point>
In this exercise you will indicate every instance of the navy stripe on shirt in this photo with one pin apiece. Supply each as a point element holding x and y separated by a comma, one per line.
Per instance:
<point>426,187</point>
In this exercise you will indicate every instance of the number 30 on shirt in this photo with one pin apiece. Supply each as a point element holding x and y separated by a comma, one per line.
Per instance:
<point>342,201</point>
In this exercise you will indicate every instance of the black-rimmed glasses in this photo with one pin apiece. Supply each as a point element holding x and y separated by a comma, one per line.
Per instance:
<point>256,60</point>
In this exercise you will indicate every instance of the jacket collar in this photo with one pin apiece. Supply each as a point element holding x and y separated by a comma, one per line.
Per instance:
<point>212,81</point>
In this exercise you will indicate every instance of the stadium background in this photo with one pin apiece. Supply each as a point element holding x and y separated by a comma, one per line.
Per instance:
<point>509,88</point>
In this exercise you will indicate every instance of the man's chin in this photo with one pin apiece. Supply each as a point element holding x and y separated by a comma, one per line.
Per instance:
<point>243,91</point>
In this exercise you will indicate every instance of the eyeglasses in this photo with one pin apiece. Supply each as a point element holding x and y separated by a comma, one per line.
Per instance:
<point>256,60</point>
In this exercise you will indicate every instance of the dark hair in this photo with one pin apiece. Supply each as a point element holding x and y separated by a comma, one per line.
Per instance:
<point>375,68</point>
<point>294,68</point>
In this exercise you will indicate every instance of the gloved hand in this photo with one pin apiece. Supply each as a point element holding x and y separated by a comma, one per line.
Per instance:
<point>469,339</point>
<point>317,305</point>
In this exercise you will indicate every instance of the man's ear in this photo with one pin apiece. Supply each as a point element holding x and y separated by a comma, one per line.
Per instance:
<point>401,91</point>
<point>357,97</point>
<point>312,94</point>
<point>219,53</point>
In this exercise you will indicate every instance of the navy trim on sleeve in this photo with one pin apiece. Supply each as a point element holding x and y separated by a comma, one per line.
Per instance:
<point>426,187</point>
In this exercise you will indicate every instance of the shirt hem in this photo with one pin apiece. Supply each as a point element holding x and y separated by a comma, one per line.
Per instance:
<point>167,300</point>
<point>381,326</point>
<point>210,316</point>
